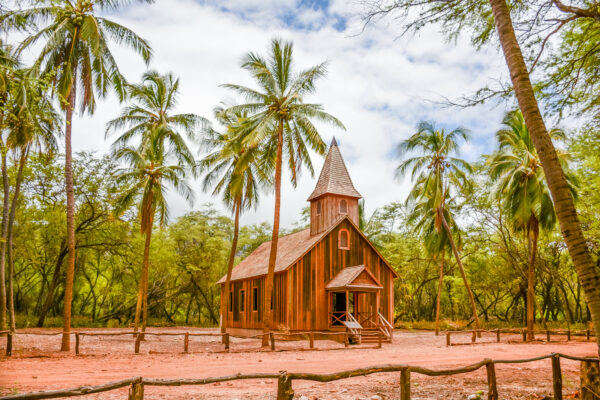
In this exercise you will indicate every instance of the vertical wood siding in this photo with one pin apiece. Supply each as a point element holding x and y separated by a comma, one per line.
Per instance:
<point>301,301</point>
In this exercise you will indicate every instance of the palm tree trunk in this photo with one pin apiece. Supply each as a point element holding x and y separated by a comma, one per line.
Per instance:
<point>439,294</point>
<point>66,336</point>
<point>461,268</point>
<point>268,314</point>
<point>561,195</point>
<point>5,206</point>
<point>142,301</point>
<point>532,238</point>
<point>11,220</point>
<point>225,299</point>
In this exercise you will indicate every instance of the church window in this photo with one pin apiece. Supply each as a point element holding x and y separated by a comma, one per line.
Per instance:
<point>319,207</point>
<point>343,207</point>
<point>344,240</point>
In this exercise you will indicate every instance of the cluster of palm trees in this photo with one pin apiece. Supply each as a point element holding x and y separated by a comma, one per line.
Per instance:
<point>519,186</point>
<point>74,66</point>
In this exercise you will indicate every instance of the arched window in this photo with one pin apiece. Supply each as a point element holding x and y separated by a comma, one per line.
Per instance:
<point>319,207</point>
<point>343,206</point>
<point>344,240</point>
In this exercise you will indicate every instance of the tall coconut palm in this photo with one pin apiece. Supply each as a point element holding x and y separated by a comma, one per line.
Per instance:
<point>422,218</point>
<point>32,124</point>
<point>522,189</point>
<point>236,171</point>
<point>7,63</point>
<point>150,169</point>
<point>281,121</point>
<point>555,176</point>
<point>437,173</point>
<point>150,121</point>
<point>75,47</point>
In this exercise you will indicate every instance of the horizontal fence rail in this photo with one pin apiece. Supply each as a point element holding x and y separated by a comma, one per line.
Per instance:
<point>225,337</point>
<point>548,333</point>
<point>285,379</point>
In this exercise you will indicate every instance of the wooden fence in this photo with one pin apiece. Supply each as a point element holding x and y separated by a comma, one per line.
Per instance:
<point>225,337</point>
<point>523,332</point>
<point>284,379</point>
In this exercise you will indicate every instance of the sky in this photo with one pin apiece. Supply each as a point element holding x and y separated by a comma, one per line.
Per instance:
<point>379,83</point>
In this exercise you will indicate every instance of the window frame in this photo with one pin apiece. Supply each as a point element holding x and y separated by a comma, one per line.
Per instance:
<point>230,307</point>
<point>319,207</point>
<point>242,300</point>
<point>345,203</point>
<point>340,233</point>
<point>255,299</point>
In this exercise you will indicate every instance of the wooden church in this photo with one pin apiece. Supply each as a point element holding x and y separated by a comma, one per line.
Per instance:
<point>328,277</point>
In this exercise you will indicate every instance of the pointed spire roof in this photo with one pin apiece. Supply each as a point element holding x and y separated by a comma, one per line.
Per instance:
<point>334,178</point>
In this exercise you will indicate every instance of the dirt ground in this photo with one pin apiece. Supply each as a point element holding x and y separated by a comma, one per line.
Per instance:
<point>38,365</point>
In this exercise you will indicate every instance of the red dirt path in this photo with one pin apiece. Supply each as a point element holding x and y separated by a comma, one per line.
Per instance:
<point>37,365</point>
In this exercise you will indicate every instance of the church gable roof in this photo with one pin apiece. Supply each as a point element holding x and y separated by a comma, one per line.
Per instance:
<point>334,178</point>
<point>289,249</point>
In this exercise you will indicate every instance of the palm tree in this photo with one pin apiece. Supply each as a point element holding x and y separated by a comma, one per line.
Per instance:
<point>422,218</point>
<point>32,124</point>
<point>555,176</point>
<point>76,50</point>
<point>236,171</point>
<point>522,189</point>
<point>436,173</point>
<point>149,171</point>
<point>281,122</point>
<point>7,64</point>
<point>149,118</point>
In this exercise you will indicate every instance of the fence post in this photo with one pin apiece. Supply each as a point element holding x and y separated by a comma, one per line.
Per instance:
<point>9,343</point>
<point>346,339</point>
<point>498,335</point>
<point>284,387</point>
<point>587,334</point>
<point>76,342</point>
<point>556,377</point>
<point>226,341</point>
<point>491,377</point>
<point>447,338</point>
<point>138,339</point>
<point>186,342</point>
<point>272,338</point>
<point>548,335</point>
<point>524,335</point>
<point>378,340</point>
<point>405,384</point>
<point>474,337</point>
<point>311,340</point>
<point>136,391</point>
<point>590,380</point>
<point>568,334</point>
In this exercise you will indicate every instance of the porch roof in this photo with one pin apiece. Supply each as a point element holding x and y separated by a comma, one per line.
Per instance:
<point>353,278</point>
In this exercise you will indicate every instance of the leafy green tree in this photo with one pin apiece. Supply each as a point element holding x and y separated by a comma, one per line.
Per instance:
<point>522,189</point>
<point>436,173</point>
<point>281,122</point>
<point>75,47</point>
<point>236,171</point>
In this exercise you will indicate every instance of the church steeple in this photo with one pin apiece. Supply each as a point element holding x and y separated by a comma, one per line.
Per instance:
<point>334,194</point>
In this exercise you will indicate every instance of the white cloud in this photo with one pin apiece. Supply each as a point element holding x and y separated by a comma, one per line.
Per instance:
<point>378,83</point>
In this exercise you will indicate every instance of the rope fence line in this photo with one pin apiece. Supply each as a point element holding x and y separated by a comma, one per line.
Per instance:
<point>588,333</point>
<point>589,371</point>
<point>225,337</point>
